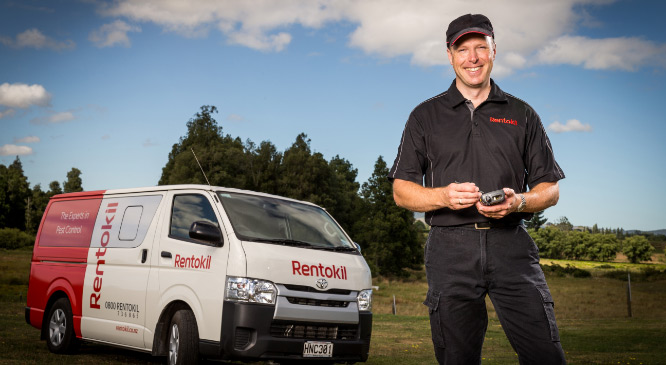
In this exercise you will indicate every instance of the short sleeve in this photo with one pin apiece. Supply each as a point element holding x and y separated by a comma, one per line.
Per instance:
<point>411,162</point>
<point>539,157</point>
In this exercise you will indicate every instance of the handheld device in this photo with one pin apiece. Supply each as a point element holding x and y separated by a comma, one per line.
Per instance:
<point>492,198</point>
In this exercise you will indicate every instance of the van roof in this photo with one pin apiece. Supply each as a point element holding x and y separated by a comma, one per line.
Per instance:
<point>164,188</point>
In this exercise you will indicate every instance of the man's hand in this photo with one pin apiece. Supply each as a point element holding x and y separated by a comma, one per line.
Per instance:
<point>460,195</point>
<point>501,210</point>
<point>540,197</point>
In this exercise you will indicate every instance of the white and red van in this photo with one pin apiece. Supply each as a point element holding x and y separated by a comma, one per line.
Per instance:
<point>189,270</point>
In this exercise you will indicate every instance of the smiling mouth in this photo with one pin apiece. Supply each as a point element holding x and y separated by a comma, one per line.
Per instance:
<point>473,69</point>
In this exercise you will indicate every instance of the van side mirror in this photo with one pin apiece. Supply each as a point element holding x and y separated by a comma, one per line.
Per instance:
<point>358,247</point>
<point>206,231</point>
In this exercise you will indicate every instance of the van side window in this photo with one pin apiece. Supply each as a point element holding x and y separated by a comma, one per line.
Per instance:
<point>129,226</point>
<point>187,209</point>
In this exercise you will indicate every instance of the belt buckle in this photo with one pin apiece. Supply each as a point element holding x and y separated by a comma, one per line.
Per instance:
<point>476,226</point>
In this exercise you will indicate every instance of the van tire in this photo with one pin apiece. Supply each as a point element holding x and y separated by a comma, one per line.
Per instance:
<point>183,340</point>
<point>59,328</point>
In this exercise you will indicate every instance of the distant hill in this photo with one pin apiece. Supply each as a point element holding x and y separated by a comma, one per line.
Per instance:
<point>655,232</point>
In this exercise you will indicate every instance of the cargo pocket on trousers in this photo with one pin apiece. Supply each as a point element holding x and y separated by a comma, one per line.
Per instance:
<point>432,302</point>
<point>548,306</point>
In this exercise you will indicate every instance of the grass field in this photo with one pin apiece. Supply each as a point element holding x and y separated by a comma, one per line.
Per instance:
<point>591,312</point>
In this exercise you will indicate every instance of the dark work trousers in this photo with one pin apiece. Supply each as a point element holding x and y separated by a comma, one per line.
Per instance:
<point>465,264</point>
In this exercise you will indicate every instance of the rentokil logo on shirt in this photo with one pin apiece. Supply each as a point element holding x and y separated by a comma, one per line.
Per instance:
<point>503,120</point>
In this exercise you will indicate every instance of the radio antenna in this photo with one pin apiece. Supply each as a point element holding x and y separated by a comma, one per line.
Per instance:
<point>202,170</point>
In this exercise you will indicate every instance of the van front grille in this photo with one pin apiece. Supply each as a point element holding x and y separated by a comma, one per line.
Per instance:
<point>310,289</point>
<point>317,302</point>
<point>314,331</point>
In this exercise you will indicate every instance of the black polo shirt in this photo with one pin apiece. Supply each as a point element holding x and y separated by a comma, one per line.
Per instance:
<point>499,144</point>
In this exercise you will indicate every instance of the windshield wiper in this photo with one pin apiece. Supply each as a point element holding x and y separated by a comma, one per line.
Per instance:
<point>338,248</point>
<point>342,248</point>
<point>282,241</point>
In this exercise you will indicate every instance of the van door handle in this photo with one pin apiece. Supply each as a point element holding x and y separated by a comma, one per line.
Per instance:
<point>144,255</point>
<point>166,254</point>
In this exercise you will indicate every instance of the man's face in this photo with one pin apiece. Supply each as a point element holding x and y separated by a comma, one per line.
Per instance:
<point>472,59</point>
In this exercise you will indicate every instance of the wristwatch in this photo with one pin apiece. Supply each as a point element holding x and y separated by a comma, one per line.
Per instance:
<point>522,204</point>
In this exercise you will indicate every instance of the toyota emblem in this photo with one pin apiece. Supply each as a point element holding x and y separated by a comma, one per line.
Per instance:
<point>322,284</point>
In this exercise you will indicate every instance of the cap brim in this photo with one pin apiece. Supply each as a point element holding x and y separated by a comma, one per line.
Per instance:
<point>468,31</point>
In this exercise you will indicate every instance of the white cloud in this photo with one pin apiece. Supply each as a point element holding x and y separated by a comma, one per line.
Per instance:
<point>7,113</point>
<point>235,118</point>
<point>33,38</point>
<point>6,41</point>
<point>261,42</point>
<point>109,35</point>
<point>603,54</point>
<point>255,24</point>
<point>28,139</point>
<point>23,96</point>
<point>572,125</point>
<point>61,117</point>
<point>14,150</point>
<point>527,32</point>
<point>54,118</point>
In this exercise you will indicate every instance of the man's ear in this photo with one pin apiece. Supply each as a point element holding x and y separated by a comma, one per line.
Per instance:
<point>448,53</point>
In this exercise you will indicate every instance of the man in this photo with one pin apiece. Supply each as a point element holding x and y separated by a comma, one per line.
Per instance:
<point>471,139</point>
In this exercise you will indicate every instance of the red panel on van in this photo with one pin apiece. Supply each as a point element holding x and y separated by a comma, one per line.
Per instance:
<point>61,251</point>
<point>69,223</point>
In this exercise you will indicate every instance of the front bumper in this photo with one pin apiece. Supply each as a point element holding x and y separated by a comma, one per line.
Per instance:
<point>250,332</point>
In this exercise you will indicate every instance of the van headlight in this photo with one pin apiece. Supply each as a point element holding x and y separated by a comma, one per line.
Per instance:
<point>364,300</point>
<point>250,290</point>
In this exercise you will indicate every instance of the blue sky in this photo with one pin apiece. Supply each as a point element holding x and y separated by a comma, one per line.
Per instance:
<point>107,87</point>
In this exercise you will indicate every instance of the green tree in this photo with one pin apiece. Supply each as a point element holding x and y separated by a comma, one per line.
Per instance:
<point>347,204</point>
<point>420,226</point>
<point>580,244</point>
<point>537,221</point>
<point>5,208</point>
<point>552,242</point>
<point>14,196</point>
<point>13,238</point>
<point>35,208</point>
<point>263,166</point>
<point>204,136</point>
<point>223,159</point>
<point>387,232</point>
<point>563,224</point>
<point>54,189</point>
<point>595,228</point>
<point>74,182</point>
<point>305,175</point>
<point>605,247</point>
<point>637,249</point>
<point>620,233</point>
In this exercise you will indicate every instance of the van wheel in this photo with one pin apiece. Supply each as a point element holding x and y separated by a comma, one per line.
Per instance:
<point>60,328</point>
<point>183,338</point>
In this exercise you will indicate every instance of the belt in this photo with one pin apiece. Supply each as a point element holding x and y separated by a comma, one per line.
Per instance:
<point>489,225</point>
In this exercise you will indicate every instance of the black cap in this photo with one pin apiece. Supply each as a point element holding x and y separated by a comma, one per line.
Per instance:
<point>469,23</point>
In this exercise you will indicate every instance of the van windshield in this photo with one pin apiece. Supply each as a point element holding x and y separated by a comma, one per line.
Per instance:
<point>271,220</point>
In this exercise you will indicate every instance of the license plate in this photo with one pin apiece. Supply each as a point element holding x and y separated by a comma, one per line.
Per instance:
<point>317,349</point>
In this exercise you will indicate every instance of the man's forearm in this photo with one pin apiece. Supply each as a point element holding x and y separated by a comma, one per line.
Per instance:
<point>421,199</point>
<point>542,196</point>
<point>415,197</point>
